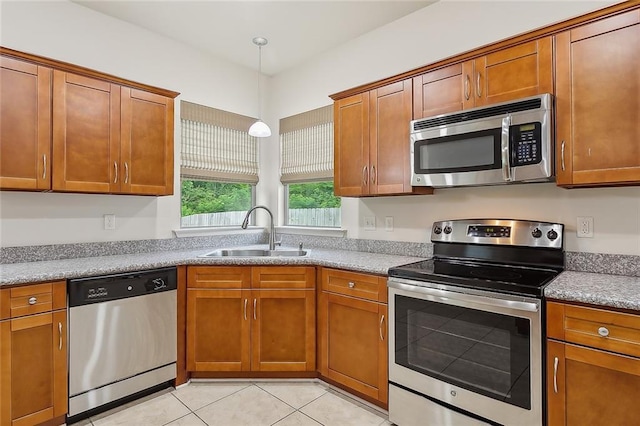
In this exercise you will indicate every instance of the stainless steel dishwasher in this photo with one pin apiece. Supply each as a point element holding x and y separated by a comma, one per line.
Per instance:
<point>122,337</point>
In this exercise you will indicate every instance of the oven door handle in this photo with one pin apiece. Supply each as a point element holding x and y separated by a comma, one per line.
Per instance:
<point>446,295</point>
<point>504,146</point>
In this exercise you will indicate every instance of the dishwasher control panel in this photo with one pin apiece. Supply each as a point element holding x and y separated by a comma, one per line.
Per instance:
<point>105,288</point>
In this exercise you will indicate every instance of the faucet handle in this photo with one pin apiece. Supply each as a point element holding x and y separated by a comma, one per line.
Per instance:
<point>278,243</point>
<point>300,246</point>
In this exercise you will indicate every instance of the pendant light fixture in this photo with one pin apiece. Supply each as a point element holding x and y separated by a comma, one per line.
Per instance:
<point>259,129</point>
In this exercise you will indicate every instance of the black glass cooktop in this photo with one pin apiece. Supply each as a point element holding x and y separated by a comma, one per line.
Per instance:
<point>501,278</point>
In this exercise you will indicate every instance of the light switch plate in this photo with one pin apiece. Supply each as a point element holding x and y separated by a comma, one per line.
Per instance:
<point>369,223</point>
<point>388,223</point>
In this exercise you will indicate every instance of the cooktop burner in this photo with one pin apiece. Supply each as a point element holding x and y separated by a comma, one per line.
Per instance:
<point>505,256</point>
<point>478,275</point>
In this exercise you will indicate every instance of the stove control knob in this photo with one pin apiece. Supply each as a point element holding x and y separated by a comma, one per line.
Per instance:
<point>447,229</point>
<point>536,233</point>
<point>437,230</point>
<point>552,235</point>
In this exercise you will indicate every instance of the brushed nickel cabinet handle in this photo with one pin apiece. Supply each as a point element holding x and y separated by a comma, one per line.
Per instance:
<point>44,166</point>
<point>352,284</point>
<point>115,166</point>
<point>60,334</point>
<point>373,174</point>
<point>478,89</point>
<point>33,300</point>
<point>467,87</point>
<point>255,315</point>
<point>381,322</point>
<point>126,172</point>
<point>555,374</point>
<point>365,175</point>
<point>245,308</point>
<point>562,154</point>
<point>603,331</point>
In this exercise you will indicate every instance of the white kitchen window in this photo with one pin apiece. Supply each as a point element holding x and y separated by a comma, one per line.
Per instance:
<point>306,170</point>
<point>218,166</point>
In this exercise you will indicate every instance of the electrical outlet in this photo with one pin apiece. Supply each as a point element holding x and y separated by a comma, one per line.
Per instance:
<point>388,223</point>
<point>110,222</point>
<point>369,223</point>
<point>584,227</point>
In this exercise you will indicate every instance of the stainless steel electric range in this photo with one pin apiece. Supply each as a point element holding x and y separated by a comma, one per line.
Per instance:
<point>466,326</point>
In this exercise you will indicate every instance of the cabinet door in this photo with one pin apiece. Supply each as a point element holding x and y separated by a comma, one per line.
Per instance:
<point>25,125</point>
<point>86,134</point>
<point>515,72</point>
<point>390,113</point>
<point>597,92</point>
<point>351,145</point>
<point>147,143</point>
<point>33,363</point>
<point>218,330</point>
<point>591,387</point>
<point>354,344</point>
<point>441,91</point>
<point>283,336</point>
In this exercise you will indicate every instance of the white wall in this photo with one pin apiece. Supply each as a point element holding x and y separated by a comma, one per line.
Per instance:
<point>426,36</point>
<point>72,33</point>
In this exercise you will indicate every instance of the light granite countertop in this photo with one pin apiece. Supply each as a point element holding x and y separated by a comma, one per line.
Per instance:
<point>31,272</point>
<point>616,291</point>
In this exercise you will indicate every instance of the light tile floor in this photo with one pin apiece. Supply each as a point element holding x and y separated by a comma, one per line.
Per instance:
<point>233,403</point>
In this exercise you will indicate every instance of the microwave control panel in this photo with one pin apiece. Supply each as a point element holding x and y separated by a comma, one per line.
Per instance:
<point>526,144</point>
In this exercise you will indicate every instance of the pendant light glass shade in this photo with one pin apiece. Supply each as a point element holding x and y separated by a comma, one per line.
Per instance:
<point>259,129</point>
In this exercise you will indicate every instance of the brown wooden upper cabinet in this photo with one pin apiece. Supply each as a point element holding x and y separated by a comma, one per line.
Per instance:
<point>371,142</point>
<point>25,125</point>
<point>597,108</point>
<point>70,132</point>
<point>504,75</point>
<point>109,138</point>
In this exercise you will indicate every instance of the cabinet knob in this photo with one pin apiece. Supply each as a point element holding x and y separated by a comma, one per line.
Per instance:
<point>603,331</point>
<point>32,300</point>
<point>352,284</point>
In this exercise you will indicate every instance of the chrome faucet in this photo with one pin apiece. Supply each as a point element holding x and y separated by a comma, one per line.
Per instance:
<point>272,229</point>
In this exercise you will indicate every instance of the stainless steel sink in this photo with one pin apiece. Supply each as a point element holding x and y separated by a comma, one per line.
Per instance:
<point>255,253</point>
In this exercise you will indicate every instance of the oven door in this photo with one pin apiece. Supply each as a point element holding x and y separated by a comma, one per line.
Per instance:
<point>477,351</point>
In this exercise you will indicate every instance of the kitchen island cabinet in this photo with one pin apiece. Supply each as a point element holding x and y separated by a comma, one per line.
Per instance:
<point>25,125</point>
<point>33,354</point>
<point>371,139</point>
<point>259,319</point>
<point>504,75</point>
<point>597,103</point>
<point>352,328</point>
<point>593,366</point>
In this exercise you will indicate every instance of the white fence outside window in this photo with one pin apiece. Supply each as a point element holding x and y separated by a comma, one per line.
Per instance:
<point>327,217</point>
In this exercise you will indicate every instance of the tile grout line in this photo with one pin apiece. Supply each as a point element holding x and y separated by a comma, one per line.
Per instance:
<point>185,405</point>
<point>213,402</point>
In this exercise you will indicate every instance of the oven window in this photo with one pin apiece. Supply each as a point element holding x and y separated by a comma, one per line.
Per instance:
<point>459,153</point>
<point>483,352</point>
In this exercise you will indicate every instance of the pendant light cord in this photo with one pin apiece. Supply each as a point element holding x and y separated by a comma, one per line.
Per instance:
<point>259,77</point>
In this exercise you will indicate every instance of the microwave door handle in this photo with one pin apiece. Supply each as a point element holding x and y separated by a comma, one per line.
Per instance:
<point>506,157</point>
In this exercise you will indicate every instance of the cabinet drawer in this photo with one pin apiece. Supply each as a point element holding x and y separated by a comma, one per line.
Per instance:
<point>599,328</point>
<point>354,284</point>
<point>283,277</point>
<point>220,277</point>
<point>32,299</point>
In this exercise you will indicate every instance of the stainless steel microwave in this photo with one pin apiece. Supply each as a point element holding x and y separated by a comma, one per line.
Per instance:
<point>510,142</point>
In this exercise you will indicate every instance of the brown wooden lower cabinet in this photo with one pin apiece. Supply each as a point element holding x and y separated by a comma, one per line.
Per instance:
<point>245,329</point>
<point>353,333</point>
<point>591,387</point>
<point>33,359</point>
<point>593,366</point>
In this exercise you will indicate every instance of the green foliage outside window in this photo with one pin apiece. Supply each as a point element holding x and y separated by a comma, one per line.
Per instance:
<point>213,197</point>
<point>312,195</point>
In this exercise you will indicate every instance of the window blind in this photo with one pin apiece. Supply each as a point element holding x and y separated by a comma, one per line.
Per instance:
<point>306,146</point>
<point>216,145</point>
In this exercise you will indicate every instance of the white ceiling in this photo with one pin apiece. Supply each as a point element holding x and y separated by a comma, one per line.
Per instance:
<point>296,30</point>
